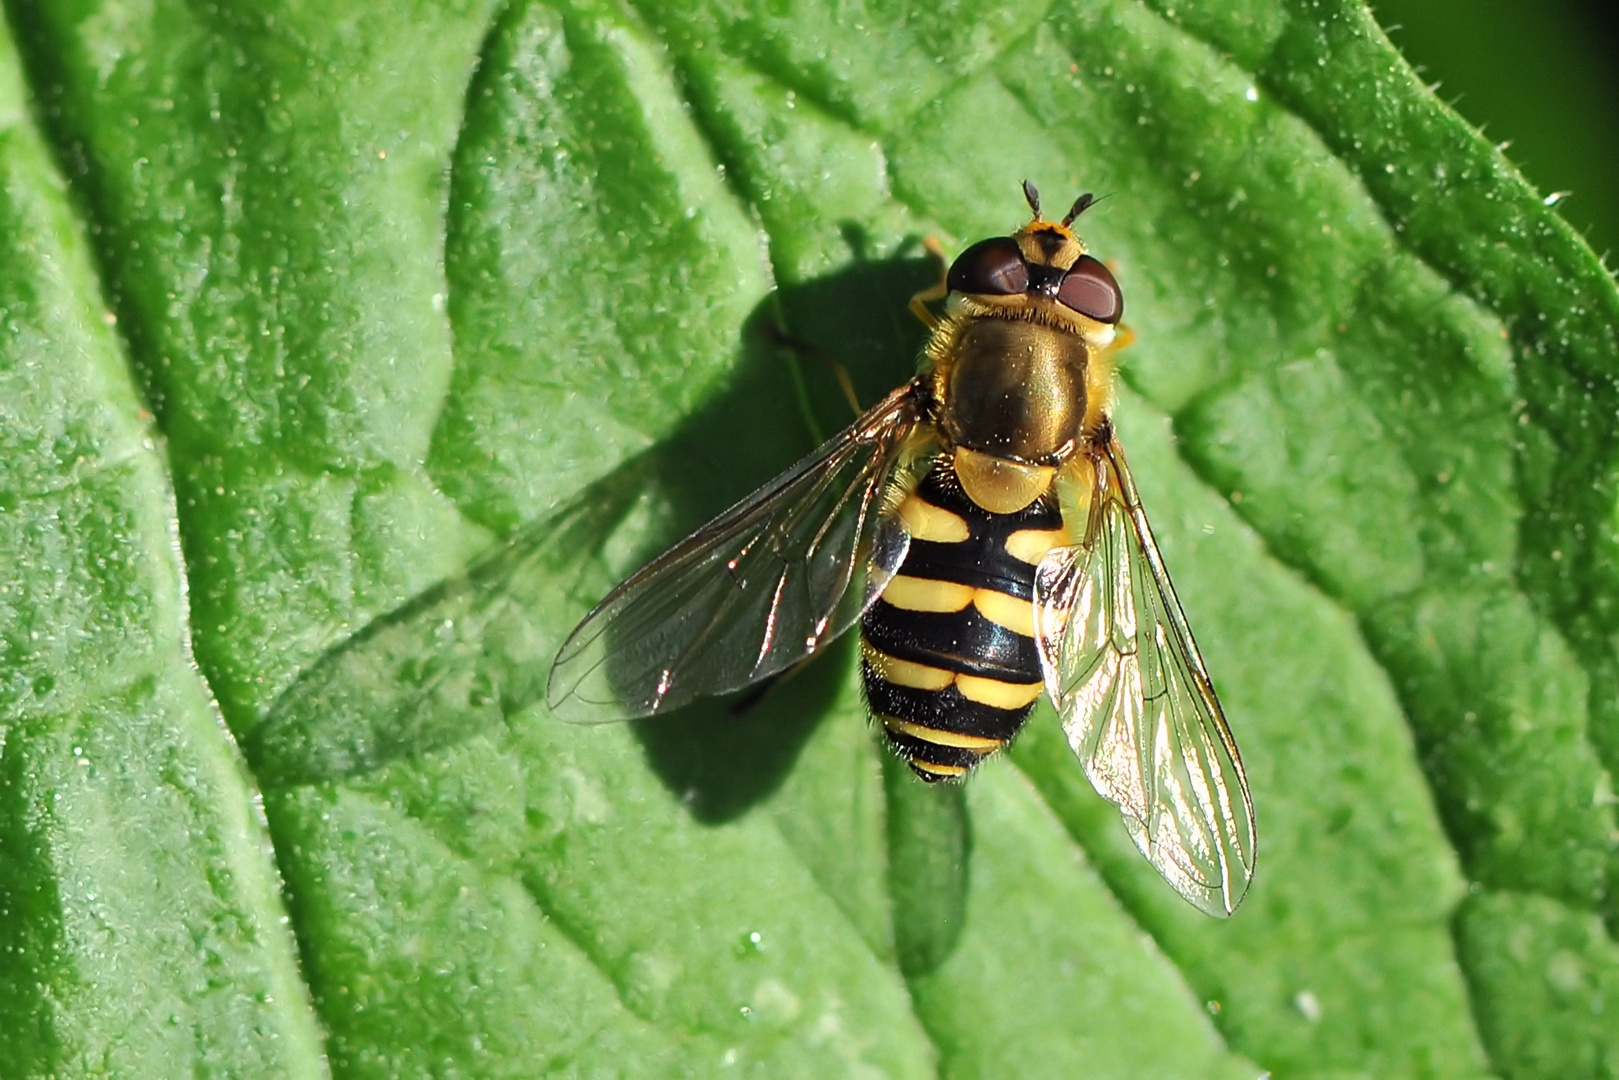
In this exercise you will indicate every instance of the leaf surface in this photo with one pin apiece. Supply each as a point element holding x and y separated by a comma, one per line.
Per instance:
<point>449,315</point>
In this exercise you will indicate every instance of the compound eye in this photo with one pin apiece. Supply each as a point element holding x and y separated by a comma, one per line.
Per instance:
<point>994,267</point>
<point>1090,289</point>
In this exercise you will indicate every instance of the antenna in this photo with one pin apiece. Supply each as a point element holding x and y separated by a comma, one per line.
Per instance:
<point>1032,193</point>
<point>1081,204</point>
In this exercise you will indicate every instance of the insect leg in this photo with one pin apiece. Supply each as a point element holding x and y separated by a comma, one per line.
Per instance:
<point>840,373</point>
<point>937,291</point>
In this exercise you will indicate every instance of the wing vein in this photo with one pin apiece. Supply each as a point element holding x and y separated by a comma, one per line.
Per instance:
<point>1134,697</point>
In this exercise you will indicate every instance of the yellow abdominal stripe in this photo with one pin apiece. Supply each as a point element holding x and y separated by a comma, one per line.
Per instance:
<point>904,672</point>
<point>924,521</point>
<point>975,743</point>
<point>1008,611</point>
<point>924,594</point>
<point>992,692</point>
<point>1031,545</point>
<point>997,694</point>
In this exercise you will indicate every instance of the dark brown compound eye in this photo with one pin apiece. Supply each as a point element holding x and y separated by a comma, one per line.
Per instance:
<point>1090,289</point>
<point>994,266</point>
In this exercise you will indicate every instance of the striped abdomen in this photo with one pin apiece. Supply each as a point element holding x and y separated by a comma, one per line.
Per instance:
<point>948,652</point>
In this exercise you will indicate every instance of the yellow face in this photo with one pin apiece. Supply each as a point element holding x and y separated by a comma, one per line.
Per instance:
<point>1048,243</point>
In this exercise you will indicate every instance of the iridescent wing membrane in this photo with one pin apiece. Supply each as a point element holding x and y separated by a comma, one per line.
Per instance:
<point>1135,701</point>
<point>753,592</point>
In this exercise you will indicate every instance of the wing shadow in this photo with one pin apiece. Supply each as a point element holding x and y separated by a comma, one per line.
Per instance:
<point>464,656</point>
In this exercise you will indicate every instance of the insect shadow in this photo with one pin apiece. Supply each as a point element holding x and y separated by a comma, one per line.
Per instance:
<point>846,332</point>
<point>461,657</point>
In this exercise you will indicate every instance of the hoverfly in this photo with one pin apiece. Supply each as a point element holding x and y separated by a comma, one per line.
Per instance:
<point>981,525</point>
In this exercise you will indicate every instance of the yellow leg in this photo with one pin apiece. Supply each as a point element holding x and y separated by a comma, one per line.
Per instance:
<point>841,373</point>
<point>937,291</point>
<point>1100,376</point>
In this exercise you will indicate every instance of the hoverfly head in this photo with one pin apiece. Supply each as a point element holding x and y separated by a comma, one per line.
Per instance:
<point>1043,259</point>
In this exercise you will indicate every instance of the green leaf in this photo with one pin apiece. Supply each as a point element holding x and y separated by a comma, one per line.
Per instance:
<point>140,930</point>
<point>448,315</point>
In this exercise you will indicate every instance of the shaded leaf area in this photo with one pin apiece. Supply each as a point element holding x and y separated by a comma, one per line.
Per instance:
<point>478,889</point>
<point>139,922</point>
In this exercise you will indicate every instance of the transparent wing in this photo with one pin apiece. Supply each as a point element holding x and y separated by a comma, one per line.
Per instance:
<point>754,591</point>
<point>1135,700</point>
